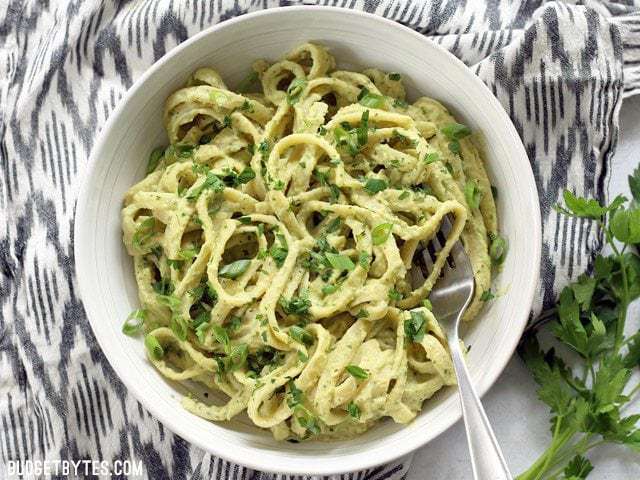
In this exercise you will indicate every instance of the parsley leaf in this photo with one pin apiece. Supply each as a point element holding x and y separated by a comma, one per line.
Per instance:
<point>296,87</point>
<point>380,233</point>
<point>472,194</point>
<point>279,250</point>
<point>340,262</point>
<point>234,269</point>
<point>357,372</point>
<point>487,295</point>
<point>415,325</point>
<point>153,347</point>
<point>211,182</point>
<point>634,184</point>
<point>375,185</point>
<point>625,225</point>
<point>353,410</point>
<point>295,305</point>
<point>454,132</point>
<point>300,335</point>
<point>154,159</point>
<point>498,249</point>
<point>134,322</point>
<point>370,100</point>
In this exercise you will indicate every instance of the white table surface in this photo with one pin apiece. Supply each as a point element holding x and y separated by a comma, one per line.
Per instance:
<point>520,420</point>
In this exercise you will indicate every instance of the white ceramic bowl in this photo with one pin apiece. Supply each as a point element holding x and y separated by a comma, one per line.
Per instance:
<point>357,40</point>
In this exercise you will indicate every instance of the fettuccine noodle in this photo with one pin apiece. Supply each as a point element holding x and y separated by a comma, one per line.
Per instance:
<point>272,242</point>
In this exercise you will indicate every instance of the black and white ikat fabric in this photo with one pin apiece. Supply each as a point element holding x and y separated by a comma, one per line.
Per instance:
<point>561,71</point>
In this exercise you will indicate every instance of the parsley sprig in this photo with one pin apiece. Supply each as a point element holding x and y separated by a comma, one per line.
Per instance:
<point>587,396</point>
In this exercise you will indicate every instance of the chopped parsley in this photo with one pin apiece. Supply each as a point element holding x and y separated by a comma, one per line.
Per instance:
<point>296,87</point>
<point>414,327</point>
<point>357,372</point>
<point>340,262</point>
<point>247,106</point>
<point>353,410</point>
<point>144,232</point>
<point>363,260</point>
<point>211,182</point>
<point>329,289</point>
<point>153,347</point>
<point>295,305</point>
<point>487,295</point>
<point>370,100</point>
<point>154,159</point>
<point>234,269</point>
<point>375,185</point>
<point>300,335</point>
<point>394,295</point>
<point>498,249</point>
<point>380,233</point>
<point>279,250</point>
<point>399,103</point>
<point>134,322</point>
<point>430,158</point>
<point>454,133</point>
<point>472,194</point>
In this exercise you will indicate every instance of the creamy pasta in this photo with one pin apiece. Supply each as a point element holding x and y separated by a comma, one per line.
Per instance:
<point>273,237</point>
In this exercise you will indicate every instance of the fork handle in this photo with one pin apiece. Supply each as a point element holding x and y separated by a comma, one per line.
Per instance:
<point>486,457</point>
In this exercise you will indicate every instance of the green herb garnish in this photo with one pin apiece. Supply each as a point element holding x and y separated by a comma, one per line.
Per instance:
<point>394,295</point>
<point>329,289</point>
<point>295,305</point>
<point>380,233</point>
<point>363,260</point>
<point>454,133</point>
<point>472,194</point>
<point>498,249</point>
<point>279,250</point>
<point>154,348</point>
<point>399,103</point>
<point>211,182</point>
<point>357,372</point>
<point>487,295</point>
<point>414,327</point>
<point>234,269</point>
<point>370,100</point>
<point>431,158</point>
<point>353,410</point>
<point>134,322</point>
<point>296,87</point>
<point>144,232</point>
<point>340,262</point>
<point>300,335</point>
<point>375,185</point>
<point>154,159</point>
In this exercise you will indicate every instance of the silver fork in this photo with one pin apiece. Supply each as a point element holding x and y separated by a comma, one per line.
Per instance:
<point>450,297</point>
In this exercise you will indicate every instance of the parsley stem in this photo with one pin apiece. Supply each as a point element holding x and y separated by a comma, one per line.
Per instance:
<point>553,450</point>
<point>548,458</point>
<point>624,302</point>
<point>624,305</point>
<point>578,449</point>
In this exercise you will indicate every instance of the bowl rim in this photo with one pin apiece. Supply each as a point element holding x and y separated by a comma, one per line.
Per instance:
<point>361,460</point>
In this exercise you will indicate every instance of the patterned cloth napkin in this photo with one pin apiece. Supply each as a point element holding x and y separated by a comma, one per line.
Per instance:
<point>561,71</point>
